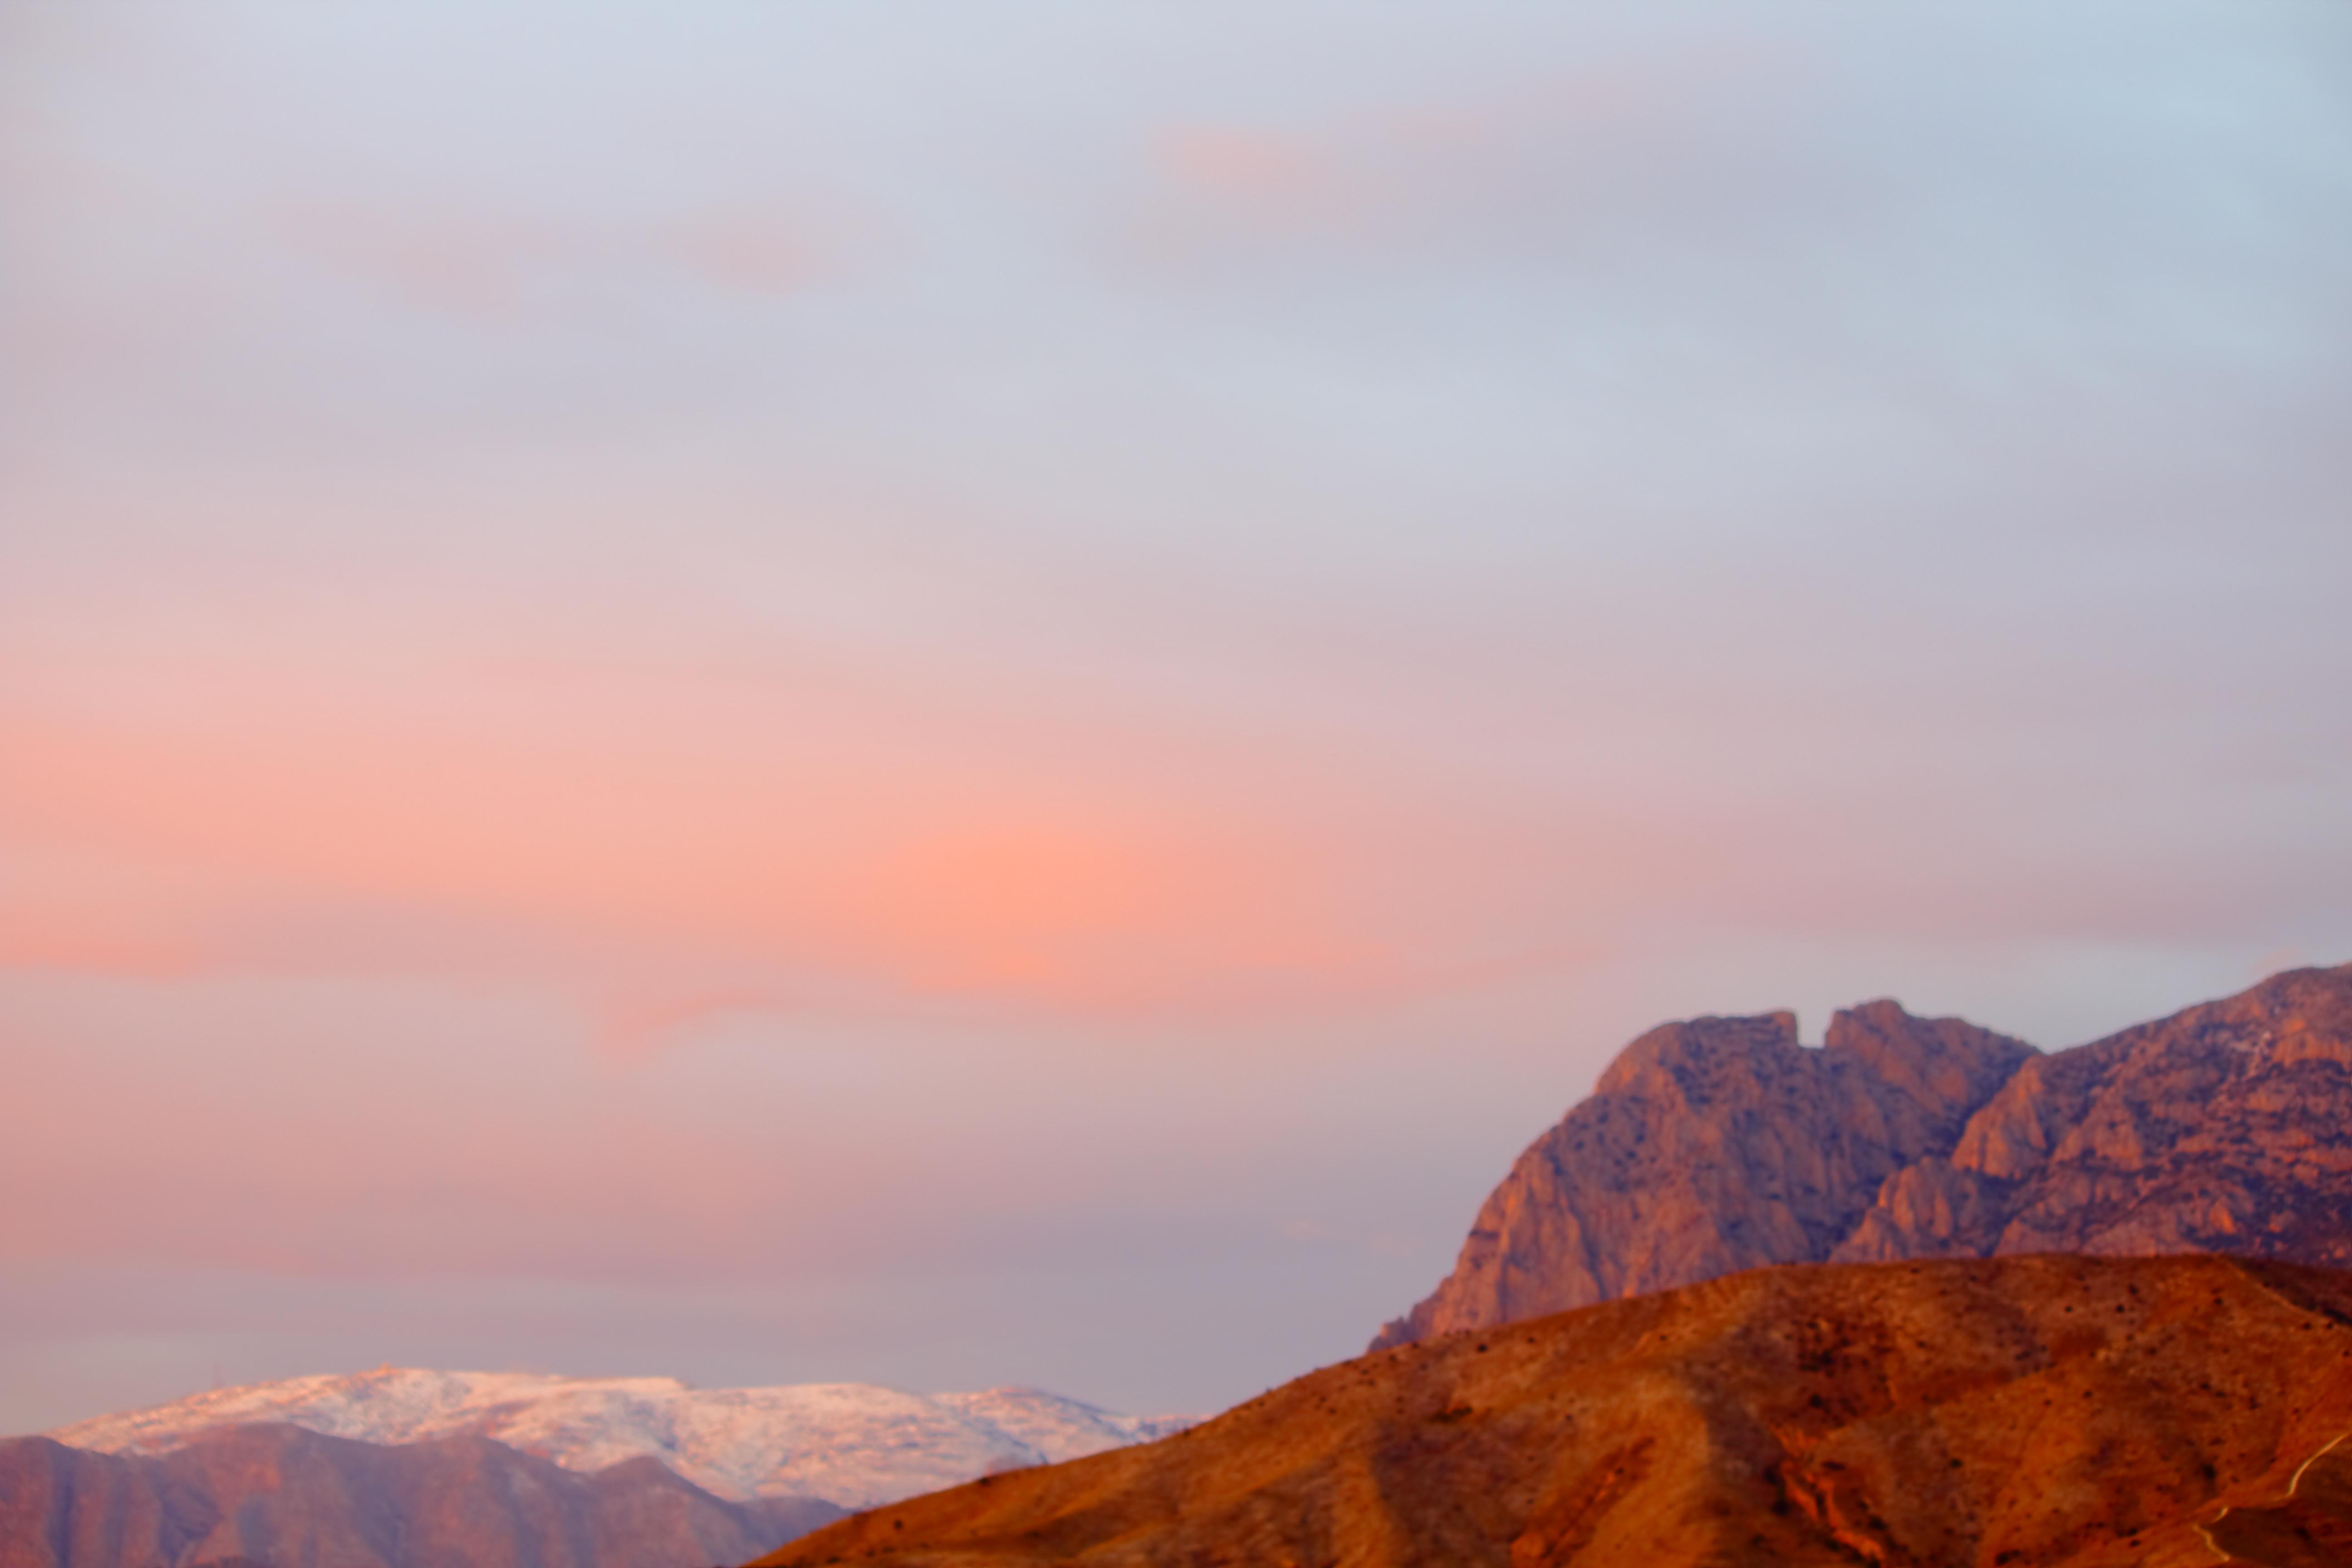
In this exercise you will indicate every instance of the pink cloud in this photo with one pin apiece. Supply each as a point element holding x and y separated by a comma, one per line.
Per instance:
<point>699,842</point>
<point>1561,148</point>
<point>754,250</point>
<point>1255,168</point>
<point>481,265</point>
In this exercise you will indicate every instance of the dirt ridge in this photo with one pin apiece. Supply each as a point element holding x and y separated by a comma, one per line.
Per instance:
<point>2029,1411</point>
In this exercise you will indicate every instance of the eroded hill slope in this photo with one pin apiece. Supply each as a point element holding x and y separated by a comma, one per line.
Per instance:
<point>2019,1413</point>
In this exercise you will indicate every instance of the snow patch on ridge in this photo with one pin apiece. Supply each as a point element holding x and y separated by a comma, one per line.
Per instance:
<point>853,1444</point>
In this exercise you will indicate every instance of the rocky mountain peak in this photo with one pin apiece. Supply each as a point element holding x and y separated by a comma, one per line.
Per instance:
<point>1698,1056</point>
<point>2225,1126</point>
<point>1947,1065</point>
<point>1713,1145</point>
<point>1719,1144</point>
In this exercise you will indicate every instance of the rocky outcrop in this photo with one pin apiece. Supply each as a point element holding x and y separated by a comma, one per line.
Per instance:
<point>1722,1144</point>
<point>2225,1128</point>
<point>2055,1412</point>
<point>277,1497</point>
<point>1713,1146</point>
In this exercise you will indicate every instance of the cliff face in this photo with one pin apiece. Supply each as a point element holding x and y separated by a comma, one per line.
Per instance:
<point>279,1496</point>
<point>1721,1145</point>
<point>2225,1128</point>
<point>1713,1146</point>
<point>2028,1413</point>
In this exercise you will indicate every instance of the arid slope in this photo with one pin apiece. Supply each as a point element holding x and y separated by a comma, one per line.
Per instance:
<point>2048,1412</point>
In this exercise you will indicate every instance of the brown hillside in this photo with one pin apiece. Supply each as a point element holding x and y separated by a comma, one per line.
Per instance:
<point>2019,1413</point>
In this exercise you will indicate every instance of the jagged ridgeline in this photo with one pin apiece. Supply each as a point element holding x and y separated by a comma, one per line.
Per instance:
<point>1721,1144</point>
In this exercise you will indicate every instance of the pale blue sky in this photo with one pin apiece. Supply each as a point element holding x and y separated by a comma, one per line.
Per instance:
<point>963,694</point>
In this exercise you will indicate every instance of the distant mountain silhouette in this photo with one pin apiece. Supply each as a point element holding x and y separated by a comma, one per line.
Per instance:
<point>274,1496</point>
<point>851,1443</point>
<point>410,1468</point>
<point>1721,1144</point>
<point>2048,1412</point>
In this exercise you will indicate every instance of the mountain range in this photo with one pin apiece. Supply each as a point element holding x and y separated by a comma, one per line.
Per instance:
<point>276,1496</point>
<point>403,1467</point>
<point>853,1443</point>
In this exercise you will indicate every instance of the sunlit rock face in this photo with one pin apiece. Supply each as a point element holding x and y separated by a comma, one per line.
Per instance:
<point>2224,1128</point>
<point>1722,1144</point>
<point>1712,1146</point>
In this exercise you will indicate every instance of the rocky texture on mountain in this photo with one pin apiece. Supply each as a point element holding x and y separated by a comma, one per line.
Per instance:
<point>1721,1144</point>
<point>1713,1146</point>
<point>850,1443</point>
<point>276,1496</point>
<point>2048,1412</point>
<point>2224,1128</point>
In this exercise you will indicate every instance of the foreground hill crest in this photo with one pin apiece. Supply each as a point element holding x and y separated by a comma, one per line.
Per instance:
<point>2011,1413</point>
<point>1721,1145</point>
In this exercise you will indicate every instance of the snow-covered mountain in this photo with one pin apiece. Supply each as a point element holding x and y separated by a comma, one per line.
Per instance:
<point>851,1443</point>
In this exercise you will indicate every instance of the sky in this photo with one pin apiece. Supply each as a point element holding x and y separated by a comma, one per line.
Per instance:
<point>970,694</point>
